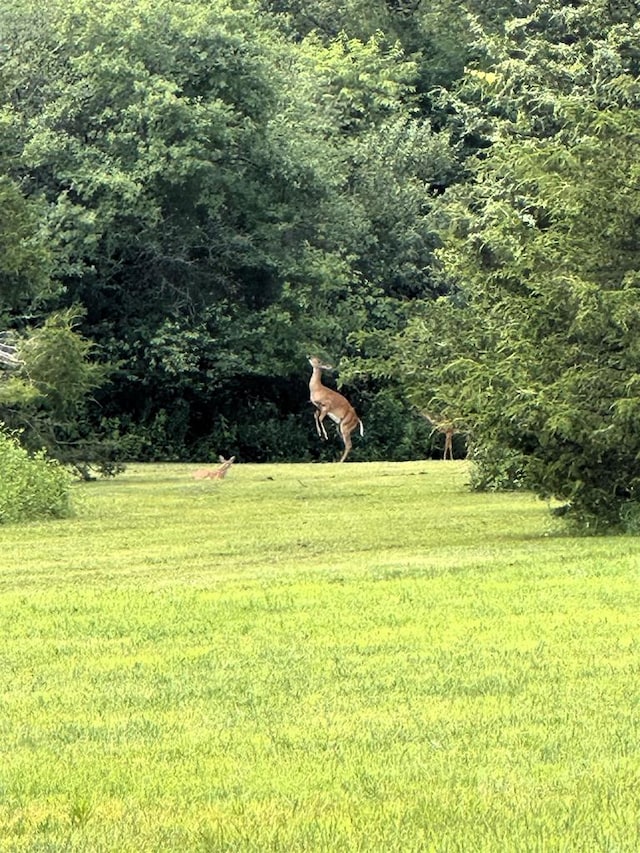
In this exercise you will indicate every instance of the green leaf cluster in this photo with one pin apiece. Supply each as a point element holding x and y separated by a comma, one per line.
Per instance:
<point>442,198</point>
<point>220,191</point>
<point>31,486</point>
<point>537,352</point>
<point>46,396</point>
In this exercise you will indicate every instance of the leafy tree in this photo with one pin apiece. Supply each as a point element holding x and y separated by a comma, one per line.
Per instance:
<point>45,398</point>
<point>24,259</point>
<point>357,19</point>
<point>141,137</point>
<point>225,191</point>
<point>439,36</point>
<point>145,126</point>
<point>46,382</point>
<point>213,192</point>
<point>538,350</point>
<point>399,168</point>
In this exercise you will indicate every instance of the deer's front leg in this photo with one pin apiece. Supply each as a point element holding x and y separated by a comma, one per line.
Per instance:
<point>320,416</point>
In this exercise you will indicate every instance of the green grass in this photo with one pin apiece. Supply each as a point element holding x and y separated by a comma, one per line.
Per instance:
<point>364,657</point>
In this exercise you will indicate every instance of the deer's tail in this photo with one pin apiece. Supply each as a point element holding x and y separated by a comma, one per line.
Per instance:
<point>361,428</point>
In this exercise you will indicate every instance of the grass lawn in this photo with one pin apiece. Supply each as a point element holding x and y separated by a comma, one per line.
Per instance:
<point>364,657</point>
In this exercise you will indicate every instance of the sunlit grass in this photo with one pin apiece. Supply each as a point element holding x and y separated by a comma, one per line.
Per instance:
<point>317,657</point>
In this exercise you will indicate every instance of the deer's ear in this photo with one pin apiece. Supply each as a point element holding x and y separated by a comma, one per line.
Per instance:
<point>221,459</point>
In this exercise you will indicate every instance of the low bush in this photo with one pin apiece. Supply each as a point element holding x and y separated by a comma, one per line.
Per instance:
<point>31,485</point>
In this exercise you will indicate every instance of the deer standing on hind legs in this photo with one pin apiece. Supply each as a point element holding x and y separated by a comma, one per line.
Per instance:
<point>333,404</point>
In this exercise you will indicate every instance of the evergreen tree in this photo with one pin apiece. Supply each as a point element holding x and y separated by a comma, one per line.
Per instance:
<point>538,351</point>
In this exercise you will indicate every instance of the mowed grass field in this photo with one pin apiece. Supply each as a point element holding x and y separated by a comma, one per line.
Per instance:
<point>364,657</point>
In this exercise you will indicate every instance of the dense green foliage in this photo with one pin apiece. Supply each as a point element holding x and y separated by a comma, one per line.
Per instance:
<point>31,486</point>
<point>222,196</point>
<point>45,394</point>
<point>538,353</point>
<point>221,188</point>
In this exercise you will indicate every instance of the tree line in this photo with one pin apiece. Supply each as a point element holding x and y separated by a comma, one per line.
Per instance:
<point>440,198</point>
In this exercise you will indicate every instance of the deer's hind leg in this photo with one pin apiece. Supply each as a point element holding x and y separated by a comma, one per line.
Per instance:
<point>346,437</point>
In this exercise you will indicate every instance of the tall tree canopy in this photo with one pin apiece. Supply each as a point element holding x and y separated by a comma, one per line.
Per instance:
<point>537,352</point>
<point>219,198</point>
<point>442,196</point>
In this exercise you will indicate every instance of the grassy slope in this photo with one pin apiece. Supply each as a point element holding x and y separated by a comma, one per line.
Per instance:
<point>356,657</point>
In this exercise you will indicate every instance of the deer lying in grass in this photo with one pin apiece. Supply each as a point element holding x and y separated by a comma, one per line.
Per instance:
<point>215,473</point>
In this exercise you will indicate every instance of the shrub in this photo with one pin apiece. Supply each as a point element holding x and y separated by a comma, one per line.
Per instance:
<point>31,485</point>
<point>497,468</point>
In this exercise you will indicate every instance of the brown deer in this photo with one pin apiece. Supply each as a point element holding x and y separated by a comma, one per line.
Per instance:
<point>333,404</point>
<point>445,427</point>
<point>215,473</point>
